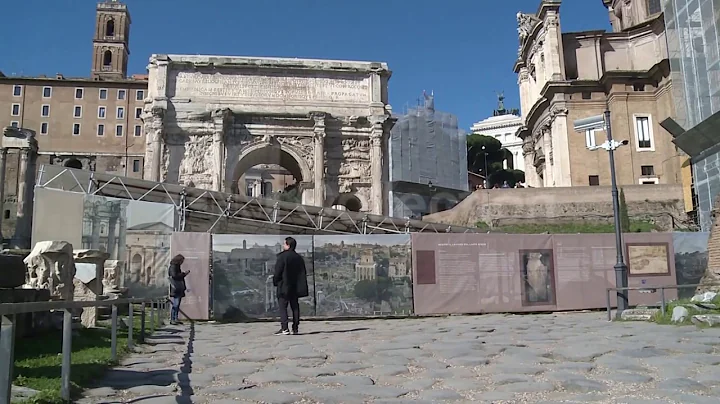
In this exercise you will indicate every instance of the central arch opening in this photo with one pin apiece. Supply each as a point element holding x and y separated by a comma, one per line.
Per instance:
<point>269,172</point>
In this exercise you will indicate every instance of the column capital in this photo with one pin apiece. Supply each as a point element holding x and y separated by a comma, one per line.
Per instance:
<point>318,118</point>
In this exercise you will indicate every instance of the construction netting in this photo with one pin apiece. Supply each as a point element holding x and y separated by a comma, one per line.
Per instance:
<point>426,146</point>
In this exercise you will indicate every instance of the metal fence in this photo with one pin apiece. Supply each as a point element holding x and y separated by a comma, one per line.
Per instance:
<point>8,312</point>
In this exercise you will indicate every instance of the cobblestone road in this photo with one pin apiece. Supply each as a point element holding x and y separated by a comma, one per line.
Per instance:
<point>563,358</point>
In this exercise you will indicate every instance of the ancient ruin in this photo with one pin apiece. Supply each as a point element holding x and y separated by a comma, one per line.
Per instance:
<point>51,266</point>
<point>24,140</point>
<point>209,119</point>
<point>88,281</point>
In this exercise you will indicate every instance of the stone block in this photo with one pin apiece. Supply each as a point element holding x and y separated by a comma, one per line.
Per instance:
<point>12,271</point>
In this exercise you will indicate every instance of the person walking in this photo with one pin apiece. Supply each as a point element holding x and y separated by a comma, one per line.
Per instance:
<point>290,279</point>
<point>177,287</point>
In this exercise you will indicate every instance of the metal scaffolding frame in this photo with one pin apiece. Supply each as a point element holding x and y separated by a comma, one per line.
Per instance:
<point>201,210</point>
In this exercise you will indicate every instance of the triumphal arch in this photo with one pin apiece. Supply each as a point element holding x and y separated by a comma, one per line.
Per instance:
<point>209,119</point>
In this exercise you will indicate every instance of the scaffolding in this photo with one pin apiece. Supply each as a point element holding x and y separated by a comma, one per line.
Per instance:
<point>200,210</point>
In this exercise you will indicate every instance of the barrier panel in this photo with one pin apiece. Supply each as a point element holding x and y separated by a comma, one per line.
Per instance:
<point>691,260</point>
<point>242,270</point>
<point>476,273</point>
<point>363,275</point>
<point>195,247</point>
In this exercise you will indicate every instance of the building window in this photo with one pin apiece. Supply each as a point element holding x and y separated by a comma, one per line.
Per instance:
<point>138,130</point>
<point>638,87</point>
<point>594,180</point>
<point>44,128</point>
<point>103,93</point>
<point>101,130</point>
<point>121,94</point>
<point>47,92</point>
<point>119,130</point>
<point>77,113</point>
<point>101,112</point>
<point>138,113</point>
<point>249,190</point>
<point>136,166</point>
<point>647,171</point>
<point>76,129</point>
<point>139,95</point>
<point>590,138</point>
<point>107,60</point>
<point>654,7</point>
<point>649,181</point>
<point>17,91</point>
<point>643,133</point>
<point>110,28</point>
<point>586,95</point>
<point>120,112</point>
<point>15,124</point>
<point>79,93</point>
<point>45,111</point>
<point>15,110</point>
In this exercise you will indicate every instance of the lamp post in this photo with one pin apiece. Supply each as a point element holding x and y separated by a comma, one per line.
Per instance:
<point>610,145</point>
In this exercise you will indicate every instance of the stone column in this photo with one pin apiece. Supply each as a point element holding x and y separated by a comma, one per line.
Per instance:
<point>377,137</point>
<point>553,47</point>
<point>524,84</point>
<point>112,240</point>
<point>95,237</point>
<point>3,167</point>
<point>319,158</point>
<point>153,120</point>
<point>26,177</point>
<point>528,152</point>
<point>548,150</point>
<point>219,155</point>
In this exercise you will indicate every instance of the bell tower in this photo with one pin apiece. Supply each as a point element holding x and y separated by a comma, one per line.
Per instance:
<point>110,43</point>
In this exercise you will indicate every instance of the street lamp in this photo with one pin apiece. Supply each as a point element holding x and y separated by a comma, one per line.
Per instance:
<point>610,145</point>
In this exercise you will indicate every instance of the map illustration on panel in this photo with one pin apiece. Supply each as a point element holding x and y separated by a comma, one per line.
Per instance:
<point>363,275</point>
<point>242,270</point>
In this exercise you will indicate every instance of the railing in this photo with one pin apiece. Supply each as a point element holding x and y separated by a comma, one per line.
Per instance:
<point>8,312</point>
<point>651,289</point>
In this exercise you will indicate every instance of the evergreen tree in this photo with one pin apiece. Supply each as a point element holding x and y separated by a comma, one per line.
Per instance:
<point>624,217</point>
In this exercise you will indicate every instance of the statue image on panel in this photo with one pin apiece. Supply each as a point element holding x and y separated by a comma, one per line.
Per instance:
<point>538,277</point>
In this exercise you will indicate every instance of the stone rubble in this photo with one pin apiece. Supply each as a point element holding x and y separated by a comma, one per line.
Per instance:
<point>561,358</point>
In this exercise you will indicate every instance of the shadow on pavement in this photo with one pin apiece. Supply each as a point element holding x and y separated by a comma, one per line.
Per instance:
<point>334,331</point>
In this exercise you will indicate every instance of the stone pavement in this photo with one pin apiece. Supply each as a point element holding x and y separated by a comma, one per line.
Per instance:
<point>560,358</point>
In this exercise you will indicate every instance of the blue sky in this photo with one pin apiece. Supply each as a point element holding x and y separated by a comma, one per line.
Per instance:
<point>463,50</point>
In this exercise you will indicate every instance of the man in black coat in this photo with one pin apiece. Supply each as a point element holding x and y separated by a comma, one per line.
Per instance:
<point>290,279</point>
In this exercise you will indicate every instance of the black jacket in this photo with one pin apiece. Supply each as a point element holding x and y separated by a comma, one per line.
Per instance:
<point>177,281</point>
<point>290,275</point>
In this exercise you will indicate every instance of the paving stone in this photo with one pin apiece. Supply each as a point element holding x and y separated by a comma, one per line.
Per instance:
<point>461,385</point>
<point>501,379</point>
<point>346,380</point>
<point>582,385</point>
<point>266,395</point>
<point>274,376</point>
<point>681,384</point>
<point>439,395</point>
<point>622,377</point>
<point>528,387</point>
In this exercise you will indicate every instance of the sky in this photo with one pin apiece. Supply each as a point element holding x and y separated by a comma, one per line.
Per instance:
<point>462,50</point>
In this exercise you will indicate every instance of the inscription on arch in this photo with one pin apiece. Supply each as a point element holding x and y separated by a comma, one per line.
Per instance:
<point>271,87</point>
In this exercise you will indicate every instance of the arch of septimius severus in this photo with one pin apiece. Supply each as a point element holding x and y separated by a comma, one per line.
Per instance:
<point>209,119</point>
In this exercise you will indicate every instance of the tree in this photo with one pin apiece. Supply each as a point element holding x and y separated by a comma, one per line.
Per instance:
<point>624,217</point>
<point>289,194</point>
<point>480,147</point>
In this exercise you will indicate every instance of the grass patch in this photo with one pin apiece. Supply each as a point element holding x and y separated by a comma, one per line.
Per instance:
<point>667,318</point>
<point>38,360</point>
<point>636,226</point>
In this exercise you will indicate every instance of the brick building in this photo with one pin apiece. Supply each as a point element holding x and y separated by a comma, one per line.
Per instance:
<point>564,77</point>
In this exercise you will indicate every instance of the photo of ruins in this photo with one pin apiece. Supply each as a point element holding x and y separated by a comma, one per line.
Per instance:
<point>136,236</point>
<point>360,275</point>
<point>243,267</point>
